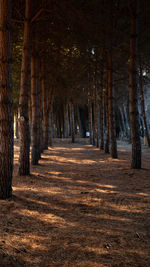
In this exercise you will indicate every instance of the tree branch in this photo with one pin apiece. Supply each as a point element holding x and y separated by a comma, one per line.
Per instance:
<point>36,15</point>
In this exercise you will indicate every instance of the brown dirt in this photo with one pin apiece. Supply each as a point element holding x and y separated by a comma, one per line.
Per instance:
<point>78,208</point>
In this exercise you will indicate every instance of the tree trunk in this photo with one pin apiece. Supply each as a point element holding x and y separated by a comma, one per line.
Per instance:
<point>96,115</point>
<point>38,84</point>
<point>101,114</point>
<point>34,104</point>
<point>72,121</point>
<point>123,126</point>
<point>51,127</point>
<point>107,119</point>
<point>90,117</point>
<point>45,107</point>
<point>6,118</point>
<point>143,105</point>
<point>66,121</point>
<point>133,92</point>
<point>24,133</point>
<point>113,143</point>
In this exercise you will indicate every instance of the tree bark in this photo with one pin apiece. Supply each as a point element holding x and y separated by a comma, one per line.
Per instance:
<point>107,119</point>
<point>101,114</point>
<point>72,122</point>
<point>34,105</point>
<point>51,127</point>
<point>6,118</point>
<point>66,121</point>
<point>143,105</point>
<point>133,91</point>
<point>90,117</point>
<point>39,105</point>
<point>24,133</point>
<point>113,143</point>
<point>96,142</point>
<point>45,111</point>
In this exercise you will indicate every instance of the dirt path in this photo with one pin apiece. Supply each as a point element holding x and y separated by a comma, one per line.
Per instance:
<point>78,208</point>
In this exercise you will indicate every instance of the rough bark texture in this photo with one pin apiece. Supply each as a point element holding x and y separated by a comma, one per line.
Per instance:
<point>34,105</point>
<point>24,133</point>
<point>133,92</point>
<point>113,143</point>
<point>6,120</point>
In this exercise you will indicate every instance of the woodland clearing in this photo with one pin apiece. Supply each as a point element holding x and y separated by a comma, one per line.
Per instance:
<point>78,208</point>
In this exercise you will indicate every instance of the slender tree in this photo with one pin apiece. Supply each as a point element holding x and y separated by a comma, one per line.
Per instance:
<point>45,103</point>
<point>143,103</point>
<point>72,121</point>
<point>34,105</point>
<point>113,144</point>
<point>6,121</point>
<point>133,90</point>
<point>101,112</point>
<point>24,134</point>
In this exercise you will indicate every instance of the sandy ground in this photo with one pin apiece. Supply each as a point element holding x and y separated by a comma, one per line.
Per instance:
<point>78,207</point>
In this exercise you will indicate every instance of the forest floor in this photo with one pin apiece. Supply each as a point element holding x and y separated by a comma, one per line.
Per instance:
<point>78,208</point>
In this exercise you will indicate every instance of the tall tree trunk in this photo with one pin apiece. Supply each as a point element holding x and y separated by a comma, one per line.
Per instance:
<point>38,85</point>
<point>34,127</point>
<point>107,119</point>
<point>66,121</point>
<point>72,122</point>
<point>126,120</point>
<point>123,125</point>
<point>24,133</point>
<point>41,117</point>
<point>133,92</point>
<point>51,127</point>
<point>6,118</point>
<point>101,113</point>
<point>96,115</point>
<point>45,107</point>
<point>143,104</point>
<point>90,117</point>
<point>113,143</point>
<point>50,115</point>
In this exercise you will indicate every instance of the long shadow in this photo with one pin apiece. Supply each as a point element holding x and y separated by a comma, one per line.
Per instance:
<point>79,219</point>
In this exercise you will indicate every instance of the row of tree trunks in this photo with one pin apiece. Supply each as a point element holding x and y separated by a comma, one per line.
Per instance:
<point>6,120</point>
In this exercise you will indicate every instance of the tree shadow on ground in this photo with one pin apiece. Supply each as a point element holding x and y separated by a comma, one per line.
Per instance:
<point>78,213</point>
